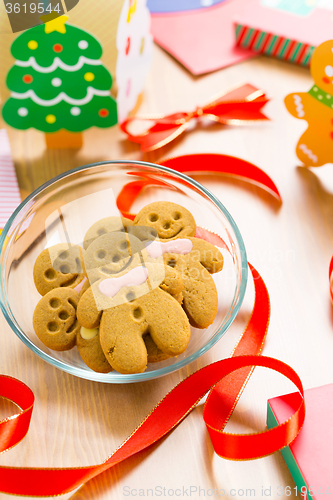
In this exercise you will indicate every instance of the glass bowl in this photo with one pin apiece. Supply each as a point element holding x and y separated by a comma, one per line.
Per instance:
<point>74,201</point>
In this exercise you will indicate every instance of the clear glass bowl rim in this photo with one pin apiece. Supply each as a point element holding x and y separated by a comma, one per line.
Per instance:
<point>137,377</point>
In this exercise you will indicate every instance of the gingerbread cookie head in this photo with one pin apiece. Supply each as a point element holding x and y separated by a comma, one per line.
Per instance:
<point>105,226</point>
<point>110,254</point>
<point>119,260</point>
<point>322,67</point>
<point>55,321</point>
<point>168,219</point>
<point>58,266</point>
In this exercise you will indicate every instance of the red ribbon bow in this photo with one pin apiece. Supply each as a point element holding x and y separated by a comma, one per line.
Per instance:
<point>239,105</point>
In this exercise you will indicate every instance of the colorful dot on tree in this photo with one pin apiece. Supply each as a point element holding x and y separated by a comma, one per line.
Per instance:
<point>50,119</point>
<point>22,111</point>
<point>32,45</point>
<point>128,46</point>
<point>103,113</point>
<point>57,47</point>
<point>75,111</point>
<point>27,78</point>
<point>89,77</point>
<point>56,82</point>
<point>83,44</point>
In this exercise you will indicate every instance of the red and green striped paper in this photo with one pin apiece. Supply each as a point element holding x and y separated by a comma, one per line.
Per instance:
<point>273,45</point>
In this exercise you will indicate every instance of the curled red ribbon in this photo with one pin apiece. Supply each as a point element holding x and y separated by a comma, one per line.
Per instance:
<point>197,163</point>
<point>224,381</point>
<point>239,105</point>
<point>14,429</point>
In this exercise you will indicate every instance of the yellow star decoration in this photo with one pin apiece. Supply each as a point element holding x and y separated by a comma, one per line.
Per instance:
<point>57,24</point>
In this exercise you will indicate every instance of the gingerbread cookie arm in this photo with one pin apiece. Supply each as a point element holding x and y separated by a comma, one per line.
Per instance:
<point>168,325</point>
<point>172,282</point>
<point>87,313</point>
<point>89,347</point>
<point>121,332</point>
<point>200,295</point>
<point>206,253</point>
<point>299,104</point>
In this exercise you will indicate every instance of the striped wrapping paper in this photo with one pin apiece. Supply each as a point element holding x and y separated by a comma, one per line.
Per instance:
<point>273,45</point>
<point>10,196</point>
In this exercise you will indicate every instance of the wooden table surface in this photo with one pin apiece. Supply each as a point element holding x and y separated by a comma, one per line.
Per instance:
<point>77,422</point>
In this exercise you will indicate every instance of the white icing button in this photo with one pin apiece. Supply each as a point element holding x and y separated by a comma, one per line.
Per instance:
<point>83,44</point>
<point>56,82</point>
<point>328,96</point>
<point>75,111</point>
<point>320,97</point>
<point>315,89</point>
<point>22,111</point>
<point>88,333</point>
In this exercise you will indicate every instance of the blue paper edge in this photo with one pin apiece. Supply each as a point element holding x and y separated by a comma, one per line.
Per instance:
<point>174,6</point>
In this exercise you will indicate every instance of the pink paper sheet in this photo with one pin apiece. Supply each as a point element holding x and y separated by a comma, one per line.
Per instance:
<point>313,29</point>
<point>202,40</point>
<point>313,447</point>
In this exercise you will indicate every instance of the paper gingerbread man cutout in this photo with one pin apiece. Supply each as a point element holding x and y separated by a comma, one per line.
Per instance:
<point>315,147</point>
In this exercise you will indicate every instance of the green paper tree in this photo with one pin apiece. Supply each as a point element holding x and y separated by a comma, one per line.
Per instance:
<point>58,81</point>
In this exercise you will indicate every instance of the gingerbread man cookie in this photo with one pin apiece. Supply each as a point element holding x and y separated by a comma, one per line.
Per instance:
<point>315,147</point>
<point>123,327</point>
<point>193,258</point>
<point>55,321</point>
<point>132,298</point>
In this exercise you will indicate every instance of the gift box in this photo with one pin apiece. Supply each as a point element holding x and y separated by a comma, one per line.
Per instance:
<point>310,456</point>
<point>288,30</point>
<point>75,70</point>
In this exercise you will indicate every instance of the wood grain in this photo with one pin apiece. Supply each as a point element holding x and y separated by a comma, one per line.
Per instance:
<point>77,422</point>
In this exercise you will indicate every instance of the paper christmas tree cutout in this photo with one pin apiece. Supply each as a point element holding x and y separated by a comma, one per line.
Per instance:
<point>315,147</point>
<point>58,81</point>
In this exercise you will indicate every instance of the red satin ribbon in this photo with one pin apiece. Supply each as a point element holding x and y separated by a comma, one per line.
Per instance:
<point>223,379</point>
<point>197,163</point>
<point>240,105</point>
<point>14,428</point>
